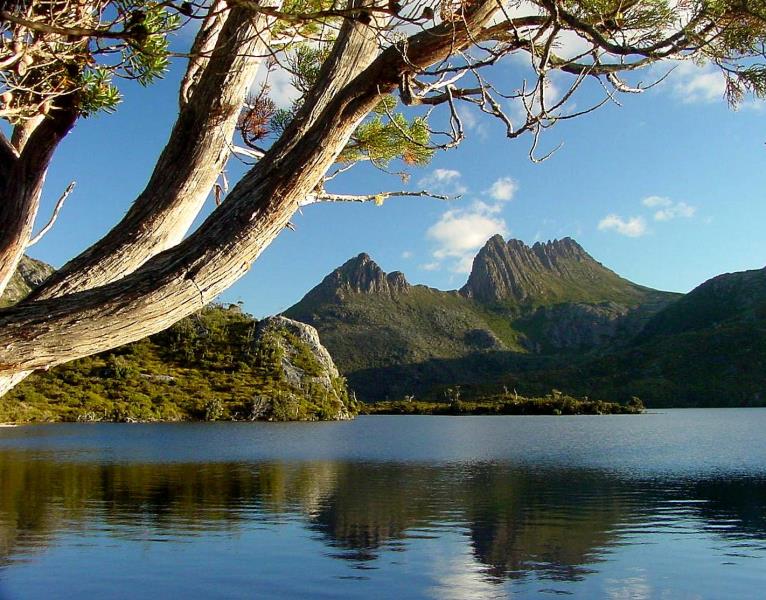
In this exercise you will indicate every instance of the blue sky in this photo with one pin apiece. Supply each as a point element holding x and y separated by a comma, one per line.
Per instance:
<point>667,190</point>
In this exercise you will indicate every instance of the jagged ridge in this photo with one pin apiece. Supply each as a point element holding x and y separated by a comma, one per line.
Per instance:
<point>359,275</point>
<point>545,273</point>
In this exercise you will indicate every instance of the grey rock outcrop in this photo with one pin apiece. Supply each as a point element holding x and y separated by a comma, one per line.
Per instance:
<point>305,368</point>
<point>360,275</point>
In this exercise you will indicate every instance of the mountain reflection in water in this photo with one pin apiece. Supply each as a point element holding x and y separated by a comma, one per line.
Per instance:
<point>515,522</point>
<point>556,523</point>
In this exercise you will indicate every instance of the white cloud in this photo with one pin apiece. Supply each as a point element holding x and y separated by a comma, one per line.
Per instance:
<point>407,254</point>
<point>698,84</point>
<point>281,89</point>
<point>464,264</point>
<point>653,201</point>
<point>446,181</point>
<point>482,207</point>
<point>503,189</point>
<point>632,227</point>
<point>679,209</point>
<point>473,123</point>
<point>570,45</point>
<point>667,209</point>
<point>459,233</point>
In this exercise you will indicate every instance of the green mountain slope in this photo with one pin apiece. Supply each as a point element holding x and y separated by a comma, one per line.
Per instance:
<point>391,338</point>
<point>368,318</point>
<point>728,299</point>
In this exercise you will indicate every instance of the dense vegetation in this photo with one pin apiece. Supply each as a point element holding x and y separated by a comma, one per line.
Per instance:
<point>555,403</point>
<point>211,366</point>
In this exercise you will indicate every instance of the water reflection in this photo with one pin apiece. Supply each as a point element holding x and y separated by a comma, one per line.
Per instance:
<point>555,524</point>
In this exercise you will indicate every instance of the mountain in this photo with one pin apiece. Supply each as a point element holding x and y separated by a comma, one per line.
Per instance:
<point>709,348</point>
<point>369,318</point>
<point>29,274</point>
<point>390,337</point>
<point>729,299</point>
<point>555,272</point>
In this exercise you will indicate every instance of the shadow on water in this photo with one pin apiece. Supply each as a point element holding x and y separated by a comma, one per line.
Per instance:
<point>556,524</point>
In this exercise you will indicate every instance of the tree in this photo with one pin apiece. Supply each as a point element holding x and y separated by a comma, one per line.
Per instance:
<point>354,62</point>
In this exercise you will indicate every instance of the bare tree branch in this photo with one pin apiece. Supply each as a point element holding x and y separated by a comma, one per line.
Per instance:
<point>378,198</point>
<point>83,32</point>
<point>54,216</point>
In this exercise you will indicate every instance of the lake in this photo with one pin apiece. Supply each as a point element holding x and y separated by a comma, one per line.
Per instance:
<point>669,504</point>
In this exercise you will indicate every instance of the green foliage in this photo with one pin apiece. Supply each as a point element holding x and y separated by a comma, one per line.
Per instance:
<point>146,56</point>
<point>651,17</point>
<point>555,403</point>
<point>135,47</point>
<point>97,92</point>
<point>305,62</point>
<point>383,139</point>
<point>205,367</point>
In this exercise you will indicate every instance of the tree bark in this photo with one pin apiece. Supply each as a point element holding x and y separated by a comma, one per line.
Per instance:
<point>184,278</point>
<point>20,188</point>
<point>196,153</point>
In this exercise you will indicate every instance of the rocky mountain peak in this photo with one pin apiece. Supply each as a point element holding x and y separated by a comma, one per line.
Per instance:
<point>360,275</point>
<point>552,251</point>
<point>514,271</point>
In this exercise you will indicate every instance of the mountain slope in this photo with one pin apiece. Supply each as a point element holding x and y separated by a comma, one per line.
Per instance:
<point>549,298</point>
<point>368,318</point>
<point>555,272</point>
<point>726,299</point>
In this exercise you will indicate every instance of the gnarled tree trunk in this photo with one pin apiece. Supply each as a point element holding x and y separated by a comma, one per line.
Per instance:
<point>22,174</point>
<point>180,280</point>
<point>193,158</point>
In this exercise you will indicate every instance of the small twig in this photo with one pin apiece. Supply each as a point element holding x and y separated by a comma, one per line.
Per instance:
<point>54,216</point>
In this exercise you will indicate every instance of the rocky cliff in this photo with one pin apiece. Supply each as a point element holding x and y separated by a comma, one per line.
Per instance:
<point>292,353</point>
<point>359,275</point>
<point>29,274</point>
<point>545,273</point>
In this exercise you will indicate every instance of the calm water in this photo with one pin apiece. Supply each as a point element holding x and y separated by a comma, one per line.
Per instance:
<point>666,505</point>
